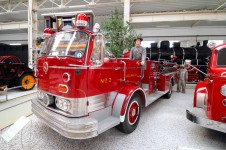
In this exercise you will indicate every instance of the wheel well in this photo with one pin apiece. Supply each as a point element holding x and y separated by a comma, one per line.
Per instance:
<point>142,97</point>
<point>172,81</point>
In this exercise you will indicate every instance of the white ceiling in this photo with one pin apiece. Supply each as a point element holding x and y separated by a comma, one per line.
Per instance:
<point>16,10</point>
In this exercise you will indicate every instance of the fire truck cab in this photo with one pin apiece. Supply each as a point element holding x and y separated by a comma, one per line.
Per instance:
<point>209,106</point>
<point>83,90</point>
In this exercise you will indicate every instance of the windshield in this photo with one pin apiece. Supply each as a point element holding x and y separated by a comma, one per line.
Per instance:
<point>221,57</point>
<point>72,43</point>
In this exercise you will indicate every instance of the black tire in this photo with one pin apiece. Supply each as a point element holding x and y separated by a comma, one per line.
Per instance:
<point>26,81</point>
<point>168,94</point>
<point>131,120</point>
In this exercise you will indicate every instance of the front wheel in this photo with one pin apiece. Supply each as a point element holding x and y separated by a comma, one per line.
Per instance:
<point>132,116</point>
<point>27,82</point>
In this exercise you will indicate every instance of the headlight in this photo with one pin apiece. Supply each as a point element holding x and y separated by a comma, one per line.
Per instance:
<point>41,95</point>
<point>63,104</point>
<point>45,98</point>
<point>223,90</point>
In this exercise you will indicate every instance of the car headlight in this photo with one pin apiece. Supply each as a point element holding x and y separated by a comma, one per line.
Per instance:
<point>45,98</point>
<point>63,104</point>
<point>223,90</point>
<point>41,95</point>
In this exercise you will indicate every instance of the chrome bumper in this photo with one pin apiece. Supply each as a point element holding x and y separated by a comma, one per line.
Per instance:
<point>73,128</point>
<point>198,116</point>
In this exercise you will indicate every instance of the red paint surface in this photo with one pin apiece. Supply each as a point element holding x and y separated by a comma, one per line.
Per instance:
<point>214,81</point>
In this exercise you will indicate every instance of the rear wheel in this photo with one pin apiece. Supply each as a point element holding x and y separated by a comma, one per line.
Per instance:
<point>27,82</point>
<point>132,116</point>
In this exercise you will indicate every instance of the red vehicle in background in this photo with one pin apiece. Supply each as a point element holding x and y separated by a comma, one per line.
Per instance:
<point>209,108</point>
<point>83,90</point>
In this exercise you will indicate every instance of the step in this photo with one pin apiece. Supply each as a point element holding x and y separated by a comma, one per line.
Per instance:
<point>154,96</point>
<point>108,123</point>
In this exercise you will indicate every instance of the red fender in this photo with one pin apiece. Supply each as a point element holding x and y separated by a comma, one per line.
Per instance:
<point>201,94</point>
<point>122,99</point>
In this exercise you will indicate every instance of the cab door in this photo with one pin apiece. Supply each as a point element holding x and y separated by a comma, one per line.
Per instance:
<point>104,75</point>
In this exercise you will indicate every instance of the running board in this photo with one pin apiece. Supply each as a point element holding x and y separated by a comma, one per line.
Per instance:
<point>154,96</point>
<point>107,123</point>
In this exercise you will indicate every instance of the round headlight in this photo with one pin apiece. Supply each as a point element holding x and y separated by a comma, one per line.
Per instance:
<point>41,95</point>
<point>223,90</point>
<point>45,98</point>
<point>63,104</point>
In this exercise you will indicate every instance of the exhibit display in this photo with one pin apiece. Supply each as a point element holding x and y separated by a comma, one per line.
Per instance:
<point>209,106</point>
<point>113,74</point>
<point>85,90</point>
<point>199,56</point>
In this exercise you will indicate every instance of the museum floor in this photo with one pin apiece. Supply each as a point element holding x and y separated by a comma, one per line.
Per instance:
<point>163,126</point>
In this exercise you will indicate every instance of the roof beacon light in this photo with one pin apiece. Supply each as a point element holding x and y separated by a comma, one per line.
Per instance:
<point>47,32</point>
<point>82,21</point>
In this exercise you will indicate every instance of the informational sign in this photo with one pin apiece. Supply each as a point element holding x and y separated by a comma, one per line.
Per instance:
<point>15,128</point>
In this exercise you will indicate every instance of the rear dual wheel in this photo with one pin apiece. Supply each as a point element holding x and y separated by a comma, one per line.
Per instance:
<point>132,116</point>
<point>27,82</point>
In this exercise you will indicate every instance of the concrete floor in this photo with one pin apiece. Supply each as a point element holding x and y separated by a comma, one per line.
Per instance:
<point>163,126</point>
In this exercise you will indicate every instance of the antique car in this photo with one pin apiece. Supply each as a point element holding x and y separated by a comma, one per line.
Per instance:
<point>209,106</point>
<point>15,73</point>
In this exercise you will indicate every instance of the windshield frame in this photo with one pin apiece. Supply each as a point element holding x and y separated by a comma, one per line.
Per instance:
<point>48,44</point>
<point>217,58</point>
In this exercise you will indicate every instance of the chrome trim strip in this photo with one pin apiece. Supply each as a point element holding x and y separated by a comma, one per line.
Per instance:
<point>167,74</point>
<point>65,67</point>
<point>104,68</point>
<point>87,48</point>
<point>203,121</point>
<point>124,70</point>
<point>84,67</point>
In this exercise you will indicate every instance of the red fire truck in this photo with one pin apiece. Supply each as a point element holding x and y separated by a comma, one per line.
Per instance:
<point>209,108</point>
<point>83,90</point>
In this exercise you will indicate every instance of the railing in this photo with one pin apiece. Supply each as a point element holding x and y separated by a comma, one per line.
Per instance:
<point>4,93</point>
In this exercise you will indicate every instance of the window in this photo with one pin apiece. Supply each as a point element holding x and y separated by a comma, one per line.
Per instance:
<point>97,56</point>
<point>72,43</point>
<point>221,61</point>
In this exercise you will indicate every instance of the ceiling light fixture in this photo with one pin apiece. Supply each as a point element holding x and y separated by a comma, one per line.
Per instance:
<point>15,44</point>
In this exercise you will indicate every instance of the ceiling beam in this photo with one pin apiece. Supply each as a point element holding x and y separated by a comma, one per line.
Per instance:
<point>182,32</point>
<point>178,16</point>
<point>14,25</point>
<point>220,6</point>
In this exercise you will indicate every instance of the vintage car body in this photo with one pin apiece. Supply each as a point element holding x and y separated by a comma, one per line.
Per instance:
<point>209,107</point>
<point>14,73</point>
